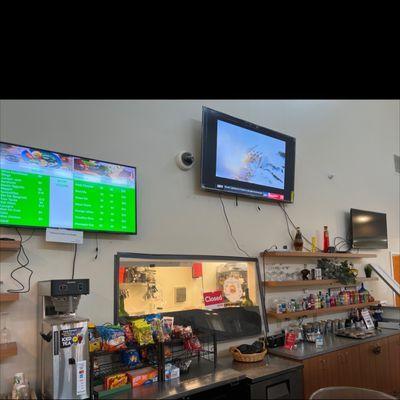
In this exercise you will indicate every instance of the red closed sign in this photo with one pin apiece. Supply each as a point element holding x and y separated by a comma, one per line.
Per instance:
<point>213,299</point>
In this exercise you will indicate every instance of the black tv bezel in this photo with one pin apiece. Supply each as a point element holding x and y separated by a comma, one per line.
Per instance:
<point>352,230</point>
<point>207,158</point>
<point>83,230</point>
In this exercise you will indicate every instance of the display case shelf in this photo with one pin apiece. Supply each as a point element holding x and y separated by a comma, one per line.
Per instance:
<point>304,254</point>
<point>10,245</point>
<point>8,350</point>
<point>313,283</point>
<point>318,312</point>
<point>8,297</point>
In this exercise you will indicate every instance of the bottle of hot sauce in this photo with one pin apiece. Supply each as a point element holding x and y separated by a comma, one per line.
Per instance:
<point>326,239</point>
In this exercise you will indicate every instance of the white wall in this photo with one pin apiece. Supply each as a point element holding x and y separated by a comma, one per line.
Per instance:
<point>355,140</point>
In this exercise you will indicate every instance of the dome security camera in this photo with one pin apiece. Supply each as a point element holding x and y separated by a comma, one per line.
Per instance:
<point>185,160</point>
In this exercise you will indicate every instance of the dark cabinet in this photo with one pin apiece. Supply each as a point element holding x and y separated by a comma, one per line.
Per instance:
<point>348,367</point>
<point>394,365</point>
<point>374,357</point>
<point>372,365</point>
<point>319,372</point>
<point>283,386</point>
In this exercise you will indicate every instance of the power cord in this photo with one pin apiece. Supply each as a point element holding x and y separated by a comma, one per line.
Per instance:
<point>97,246</point>
<point>22,265</point>
<point>230,227</point>
<point>73,263</point>
<point>339,245</point>
<point>287,217</point>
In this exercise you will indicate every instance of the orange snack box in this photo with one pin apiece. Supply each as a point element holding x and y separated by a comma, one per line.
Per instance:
<point>142,376</point>
<point>115,380</point>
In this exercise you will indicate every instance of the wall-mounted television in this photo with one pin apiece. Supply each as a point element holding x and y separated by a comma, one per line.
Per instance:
<point>244,159</point>
<point>368,229</point>
<point>42,188</point>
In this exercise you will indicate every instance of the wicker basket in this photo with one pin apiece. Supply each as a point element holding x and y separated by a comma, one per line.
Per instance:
<point>254,357</point>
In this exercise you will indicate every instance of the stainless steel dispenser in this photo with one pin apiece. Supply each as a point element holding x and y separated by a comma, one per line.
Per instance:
<point>63,341</point>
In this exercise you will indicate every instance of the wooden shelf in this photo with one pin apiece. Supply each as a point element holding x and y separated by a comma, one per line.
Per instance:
<point>303,254</point>
<point>6,297</point>
<point>8,350</point>
<point>313,283</point>
<point>10,245</point>
<point>320,311</point>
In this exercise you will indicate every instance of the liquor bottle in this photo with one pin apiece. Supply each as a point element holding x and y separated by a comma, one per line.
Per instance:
<point>327,300</point>
<point>321,300</point>
<point>246,301</point>
<point>312,302</point>
<point>326,239</point>
<point>298,240</point>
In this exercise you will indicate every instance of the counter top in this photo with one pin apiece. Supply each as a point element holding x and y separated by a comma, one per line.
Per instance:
<point>331,343</point>
<point>261,370</point>
<point>228,371</point>
<point>179,387</point>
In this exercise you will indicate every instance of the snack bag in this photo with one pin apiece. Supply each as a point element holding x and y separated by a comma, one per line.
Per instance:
<point>177,331</point>
<point>129,338</point>
<point>142,332</point>
<point>115,380</point>
<point>167,326</point>
<point>192,344</point>
<point>130,357</point>
<point>112,336</point>
<point>94,338</point>
<point>187,332</point>
<point>156,327</point>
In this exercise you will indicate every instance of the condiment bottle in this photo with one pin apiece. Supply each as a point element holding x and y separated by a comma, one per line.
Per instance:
<point>326,239</point>
<point>313,244</point>
<point>298,240</point>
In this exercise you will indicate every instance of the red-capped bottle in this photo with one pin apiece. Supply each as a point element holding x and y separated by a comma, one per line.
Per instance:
<point>326,239</point>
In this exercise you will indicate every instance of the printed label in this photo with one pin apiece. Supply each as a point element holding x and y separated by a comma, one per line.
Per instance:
<point>81,378</point>
<point>68,337</point>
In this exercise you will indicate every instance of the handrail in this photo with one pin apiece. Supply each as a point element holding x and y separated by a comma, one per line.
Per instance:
<point>387,278</point>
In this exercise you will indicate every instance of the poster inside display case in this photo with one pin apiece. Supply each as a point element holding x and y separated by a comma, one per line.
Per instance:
<point>219,293</point>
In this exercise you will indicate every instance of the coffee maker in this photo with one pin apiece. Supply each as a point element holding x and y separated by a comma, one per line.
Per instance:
<point>63,342</point>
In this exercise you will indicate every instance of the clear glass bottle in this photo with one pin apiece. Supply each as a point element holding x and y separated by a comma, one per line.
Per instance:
<point>319,340</point>
<point>298,240</point>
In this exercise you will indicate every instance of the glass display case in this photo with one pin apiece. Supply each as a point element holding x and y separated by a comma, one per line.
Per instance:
<point>211,293</point>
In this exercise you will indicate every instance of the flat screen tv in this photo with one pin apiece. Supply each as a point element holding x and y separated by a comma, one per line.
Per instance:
<point>42,188</point>
<point>368,229</point>
<point>245,159</point>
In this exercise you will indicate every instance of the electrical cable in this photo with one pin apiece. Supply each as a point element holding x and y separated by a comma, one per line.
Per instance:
<point>230,228</point>
<point>73,263</point>
<point>97,246</point>
<point>338,246</point>
<point>22,265</point>
<point>294,226</point>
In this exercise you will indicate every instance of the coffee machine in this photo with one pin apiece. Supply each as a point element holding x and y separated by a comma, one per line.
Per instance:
<point>63,342</point>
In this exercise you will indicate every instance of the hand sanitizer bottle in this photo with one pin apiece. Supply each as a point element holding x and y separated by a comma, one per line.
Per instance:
<point>319,340</point>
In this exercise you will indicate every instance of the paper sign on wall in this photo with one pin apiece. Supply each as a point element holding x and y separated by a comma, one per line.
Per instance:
<point>64,236</point>
<point>213,299</point>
